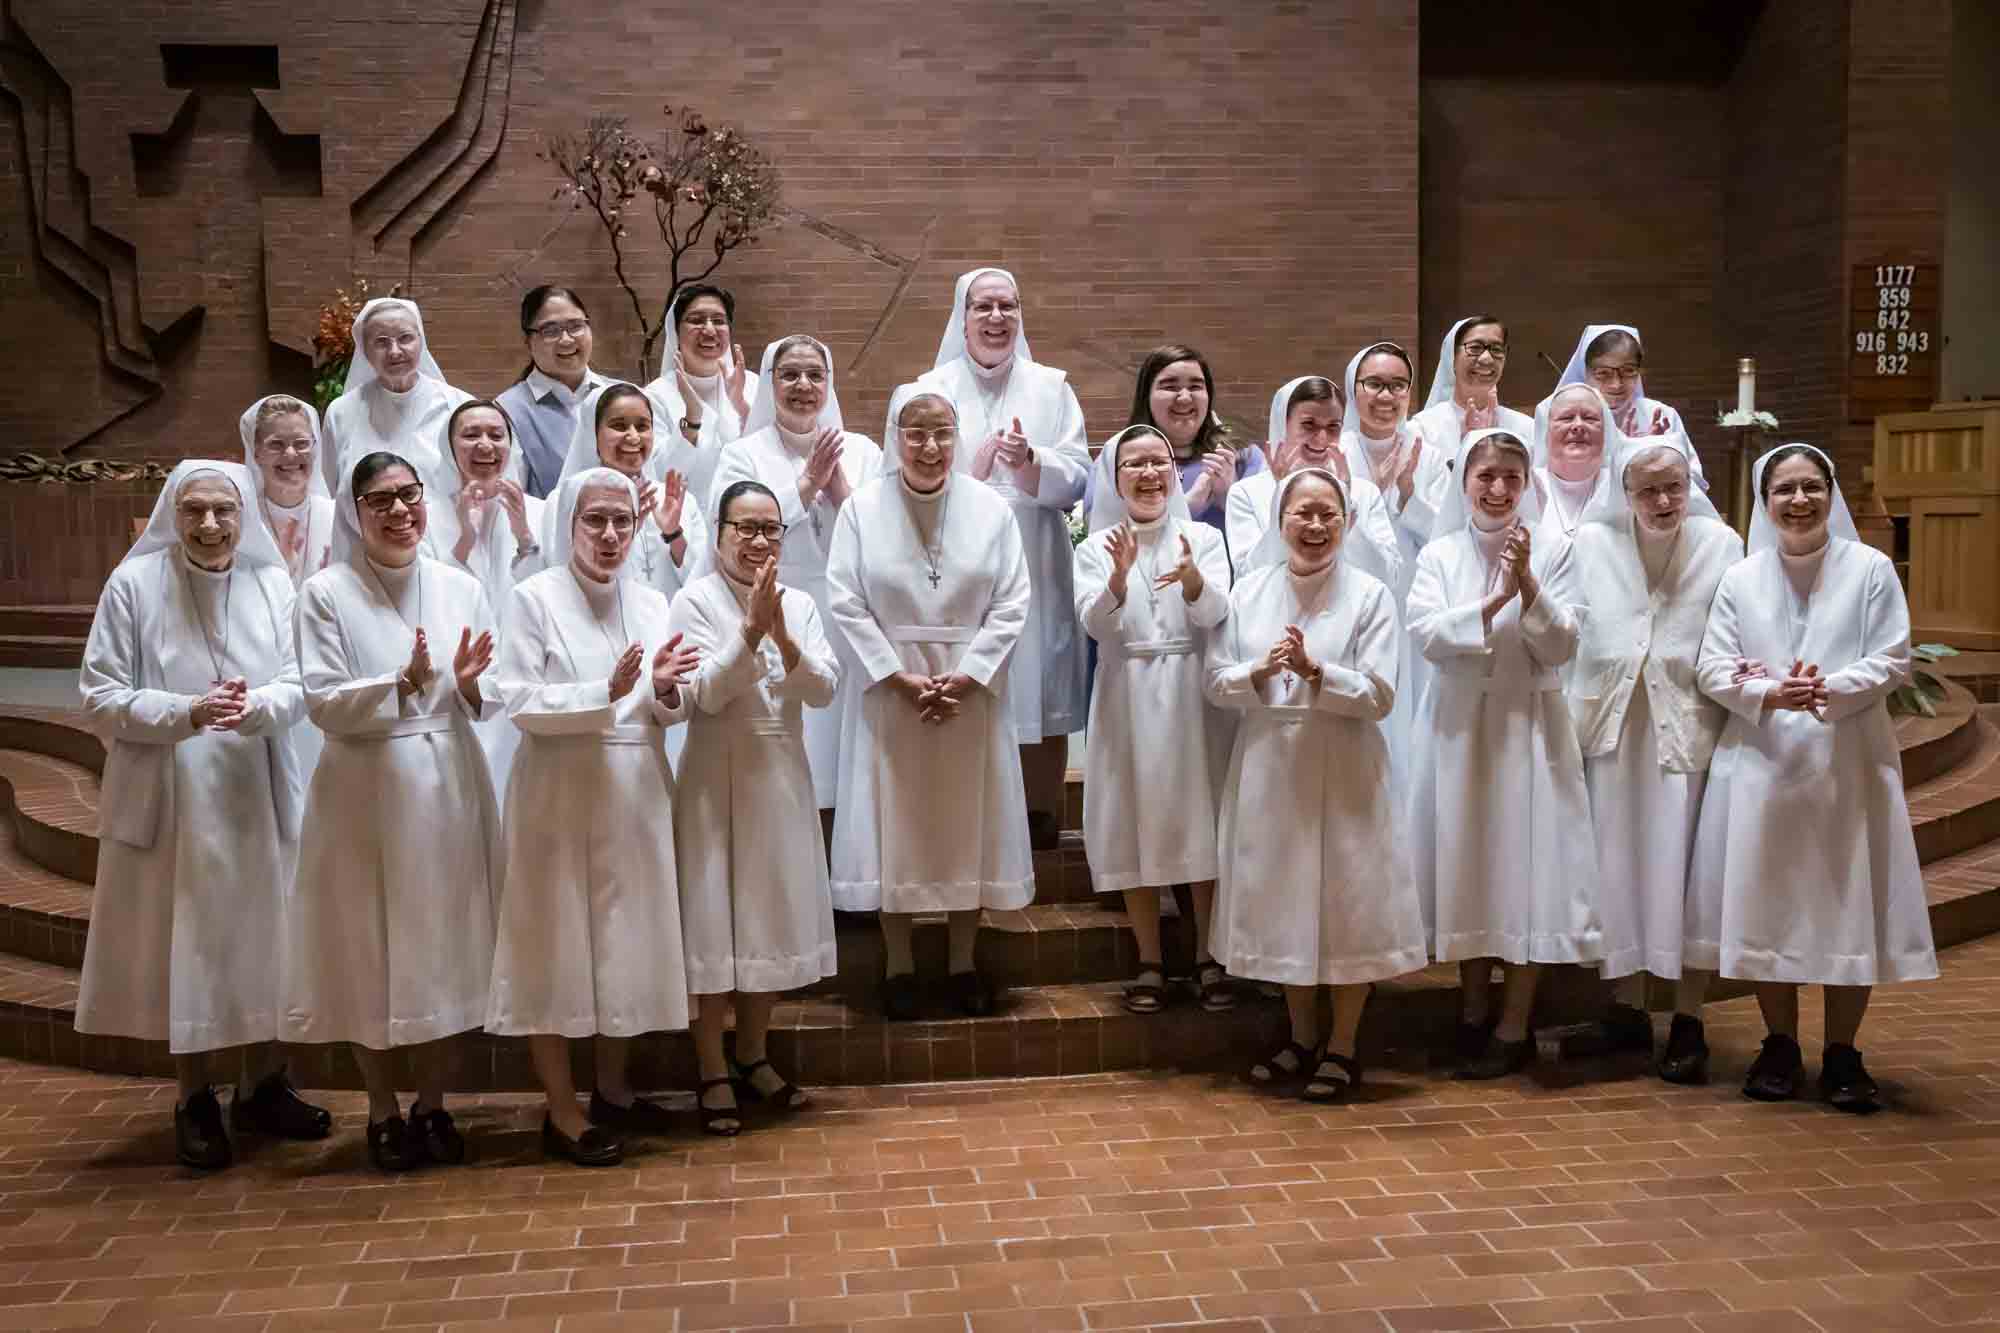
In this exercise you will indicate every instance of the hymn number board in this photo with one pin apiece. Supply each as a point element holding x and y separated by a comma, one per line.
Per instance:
<point>1893,341</point>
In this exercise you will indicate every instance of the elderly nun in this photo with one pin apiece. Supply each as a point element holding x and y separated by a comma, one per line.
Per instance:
<point>1805,866</point>
<point>756,909</point>
<point>389,940</point>
<point>190,678</point>
<point>395,398</point>
<point>1151,584</point>
<point>1576,437</point>
<point>702,396</point>
<point>1023,435</point>
<point>1315,888</point>
<point>590,923</point>
<point>929,584</point>
<point>1500,816</point>
<point>281,448</point>
<point>796,445</point>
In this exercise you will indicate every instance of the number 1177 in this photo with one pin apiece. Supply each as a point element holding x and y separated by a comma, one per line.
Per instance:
<point>1895,275</point>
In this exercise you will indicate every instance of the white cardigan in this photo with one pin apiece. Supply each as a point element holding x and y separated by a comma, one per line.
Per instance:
<point>1624,624</point>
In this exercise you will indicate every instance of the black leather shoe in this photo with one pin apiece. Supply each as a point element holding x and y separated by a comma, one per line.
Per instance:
<point>641,1117</point>
<point>1627,1028</point>
<point>1844,1082</point>
<point>391,1146</point>
<point>275,1109</point>
<point>597,1147</point>
<point>1499,1059</point>
<point>972,993</point>
<point>902,999</point>
<point>1777,1071</point>
<point>435,1132</point>
<point>1686,1058</point>
<point>200,1141</point>
<point>1468,1040</point>
<point>1044,831</point>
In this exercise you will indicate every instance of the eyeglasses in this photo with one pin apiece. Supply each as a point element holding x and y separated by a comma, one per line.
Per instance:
<point>1138,465</point>
<point>704,321</point>
<point>561,328</point>
<point>750,529</point>
<point>1007,310</point>
<point>1476,350</point>
<point>1673,490</point>
<point>1811,490</point>
<point>386,342</point>
<point>1615,374</point>
<point>597,524</point>
<point>381,502</point>
<point>917,437</point>
<point>795,376</point>
<point>279,448</point>
<point>1394,388</point>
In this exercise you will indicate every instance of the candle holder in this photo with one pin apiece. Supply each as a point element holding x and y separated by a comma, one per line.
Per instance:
<point>1746,426</point>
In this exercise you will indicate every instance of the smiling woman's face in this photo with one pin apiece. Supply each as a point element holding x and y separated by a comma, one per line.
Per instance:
<point>1145,475</point>
<point>1494,480</point>
<point>1313,522</point>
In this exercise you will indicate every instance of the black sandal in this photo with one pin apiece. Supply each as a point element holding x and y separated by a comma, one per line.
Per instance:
<point>786,1097</point>
<point>1147,997</point>
<point>713,1116</point>
<point>1336,1077</point>
<point>1213,982</point>
<point>1270,1070</point>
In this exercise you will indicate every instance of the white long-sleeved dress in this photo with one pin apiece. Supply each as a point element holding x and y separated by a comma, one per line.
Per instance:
<point>756,908</point>
<point>589,936</point>
<point>1805,867</point>
<point>198,830</point>
<point>389,940</point>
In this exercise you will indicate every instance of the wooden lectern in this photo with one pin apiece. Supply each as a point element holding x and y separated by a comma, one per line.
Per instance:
<point>1941,470</point>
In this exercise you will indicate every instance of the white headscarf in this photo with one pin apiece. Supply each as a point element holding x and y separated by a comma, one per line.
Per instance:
<point>582,454</point>
<point>347,543</point>
<point>1764,533</point>
<point>562,510</point>
<point>1281,411</point>
<point>1610,505</point>
<point>1271,548</point>
<point>670,357</point>
<point>952,346</point>
<point>764,409</point>
<point>360,373</point>
<point>1107,507</point>
<point>492,559</point>
<point>1444,377</point>
<point>254,544</point>
<point>1454,514</point>
<point>246,428</point>
<point>892,448</point>
<point>1384,471</point>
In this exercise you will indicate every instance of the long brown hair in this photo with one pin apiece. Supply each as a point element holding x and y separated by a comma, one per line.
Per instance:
<point>1215,432</point>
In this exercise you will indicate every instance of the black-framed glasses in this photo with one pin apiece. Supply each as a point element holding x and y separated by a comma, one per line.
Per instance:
<point>1615,374</point>
<point>1394,388</point>
<point>381,502</point>
<point>1476,350</point>
<point>551,330</point>
<point>750,529</point>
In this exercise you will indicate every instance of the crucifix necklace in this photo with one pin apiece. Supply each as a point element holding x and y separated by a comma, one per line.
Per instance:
<point>215,658</point>
<point>933,552</point>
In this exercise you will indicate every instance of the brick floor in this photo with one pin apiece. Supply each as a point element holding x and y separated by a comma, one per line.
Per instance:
<point>1581,1200</point>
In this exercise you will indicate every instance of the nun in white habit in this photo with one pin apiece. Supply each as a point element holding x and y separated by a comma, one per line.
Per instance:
<point>703,396</point>
<point>1805,867</point>
<point>618,428</point>
<point>1382,446</point>
<point>389,940</point>
<point>590,924</point>
<point>1022,434</point>
<point>1151,583</point>
<point>930,585</point>
<point>1465,387</point>
<point>281,447</point>
<point>395,398</point>
<point>756,910</point>
<point>189,677</point>
<point>1499,812</point>
<point>1315,887</point>
<point>1576,437</point>
<point>1610,358</point>
<point>1648,557</point>
<point>796,444</point>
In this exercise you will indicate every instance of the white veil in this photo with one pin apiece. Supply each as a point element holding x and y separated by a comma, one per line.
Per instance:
<point>1452,512</point>
<point>764,408</point>
<point>1350,422</point>
<point>246,429</point>
<point>1107,506</point>
<point>1609,504</point>
<point>1270,548</point>
<point>952,346</point>
<point>562,510</point>
<point>254,543</point>
<point>1764,533</point>
<point>360,374</point>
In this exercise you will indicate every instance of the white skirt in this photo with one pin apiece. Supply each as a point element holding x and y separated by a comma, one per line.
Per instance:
<point>1645,820</point>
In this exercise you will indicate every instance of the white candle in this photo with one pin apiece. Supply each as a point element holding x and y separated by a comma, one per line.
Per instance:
<point>1746,384</point>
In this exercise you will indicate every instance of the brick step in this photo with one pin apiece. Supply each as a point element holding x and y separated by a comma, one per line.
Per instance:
<point>67,620</point>
<point>1044,944</point>
<point>1960,809</point>
<point>1933,746</point>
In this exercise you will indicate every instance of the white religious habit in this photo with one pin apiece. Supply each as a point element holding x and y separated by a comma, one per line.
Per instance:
<point>720,423</point>
<point>589,936</point>
<point>303,533</point>
<point>1315,885</point>
<point>1045,685</point>
<point>772,455</point>
<point>1640,413</point>
<point>1150,729</point>
<point>1500,818</point>
<point>932,816</point>
<point>1805,867</point>
<point>651,561</point>
<point>389,936</point>
<point>756,909</point>
<point>1646,731</point>
<point>1380,461</point>
<point>1566,503</point>
<point>197,829</point>
<point>1442,421</point>
<point>368,418</point>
